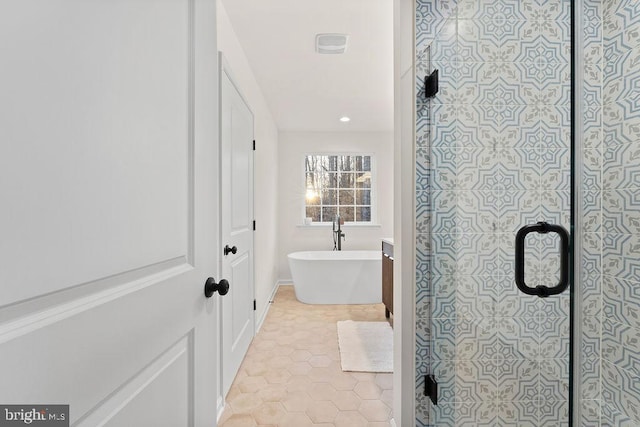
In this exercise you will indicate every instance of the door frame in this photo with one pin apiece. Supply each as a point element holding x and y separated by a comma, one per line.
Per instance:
<point>404,366</point>
<point>225,68</point>
<point>577,155</point>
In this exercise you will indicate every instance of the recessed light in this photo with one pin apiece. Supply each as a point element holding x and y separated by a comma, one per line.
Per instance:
<point>345,119</point>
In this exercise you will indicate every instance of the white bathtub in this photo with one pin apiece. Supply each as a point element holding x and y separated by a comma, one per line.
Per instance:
<point>337,277</point>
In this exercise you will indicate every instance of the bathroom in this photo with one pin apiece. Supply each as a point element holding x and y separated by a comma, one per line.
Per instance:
<point>495,143</point>
<point>500,146</point>
<point>287,132</point>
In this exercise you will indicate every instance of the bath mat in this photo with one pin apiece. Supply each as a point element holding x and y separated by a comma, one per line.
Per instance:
<point>365,346</point>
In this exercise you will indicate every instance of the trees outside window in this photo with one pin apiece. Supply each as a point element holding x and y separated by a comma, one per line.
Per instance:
<point>341,184</point>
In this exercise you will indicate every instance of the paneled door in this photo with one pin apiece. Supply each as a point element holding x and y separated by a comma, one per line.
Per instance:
<point>109,218</point>
<point>238,320</point>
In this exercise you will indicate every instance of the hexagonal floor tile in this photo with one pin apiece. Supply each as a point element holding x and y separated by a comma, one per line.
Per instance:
<point>384,381</point>
<point>250,384</point>
<point>291,375</point>
<point>296,402</point>
<point>350,419</point>
<point>300,355</point>
<point>322,411</point>
<point>295,419</point>
<point>343,382</point>
<point>299,368</point>
<point>255,369</point>
<point>273,393</point>
<point>240,420</point>
<point>320,375</point>
<point>346,400</point>
<point>279,362</point>
<point>322,391</point>
<point>387,397</point>
<point>269,413</point>
<point>374,410</point>
<point>367,390</point>
<point>298,383</point>
<point>320,361</point>
<point>245,403</point>
<point>277,376</point>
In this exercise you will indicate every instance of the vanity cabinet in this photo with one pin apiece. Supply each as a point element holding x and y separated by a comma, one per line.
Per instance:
<point>387,277</point>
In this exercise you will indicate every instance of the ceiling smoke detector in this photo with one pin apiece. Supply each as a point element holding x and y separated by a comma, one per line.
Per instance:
<point>331,43</point>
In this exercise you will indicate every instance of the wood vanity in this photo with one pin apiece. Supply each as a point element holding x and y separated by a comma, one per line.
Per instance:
<point>387,276</point>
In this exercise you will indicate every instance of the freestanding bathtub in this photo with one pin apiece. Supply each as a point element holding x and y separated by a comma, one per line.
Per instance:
<point>337,277</point>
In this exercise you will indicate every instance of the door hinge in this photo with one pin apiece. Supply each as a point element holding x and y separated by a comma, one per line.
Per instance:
<point>431,388</point>
<point>254,225</point>
<point>254,145</point>
<point>431,84</point>
<point>254,305</point>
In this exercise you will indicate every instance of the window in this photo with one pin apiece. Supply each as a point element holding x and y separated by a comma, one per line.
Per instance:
<point>338,184</point>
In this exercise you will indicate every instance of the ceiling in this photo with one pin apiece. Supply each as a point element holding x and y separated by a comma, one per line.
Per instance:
<point>307,91</point>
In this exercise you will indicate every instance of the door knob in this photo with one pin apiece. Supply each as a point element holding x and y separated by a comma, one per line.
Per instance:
<point>227,249</point>
<point>210,287</point>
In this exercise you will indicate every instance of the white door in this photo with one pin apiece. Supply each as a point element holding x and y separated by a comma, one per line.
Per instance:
<point>109,216</point>
<point>236,127</point>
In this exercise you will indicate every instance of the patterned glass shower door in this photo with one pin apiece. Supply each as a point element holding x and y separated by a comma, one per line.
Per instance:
<point>493,155</point>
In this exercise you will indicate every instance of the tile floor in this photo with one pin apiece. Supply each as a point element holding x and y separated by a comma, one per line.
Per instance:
<point>291,376</point>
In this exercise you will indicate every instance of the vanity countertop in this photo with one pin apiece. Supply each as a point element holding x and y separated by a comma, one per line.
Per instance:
<point>388,240</point>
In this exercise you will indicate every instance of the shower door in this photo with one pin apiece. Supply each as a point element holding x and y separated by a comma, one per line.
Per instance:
<point>493,201</point>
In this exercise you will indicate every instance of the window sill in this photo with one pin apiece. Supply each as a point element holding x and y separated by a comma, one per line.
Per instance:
<point>343,226</point>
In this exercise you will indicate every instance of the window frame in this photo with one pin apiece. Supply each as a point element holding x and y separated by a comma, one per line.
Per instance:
<point>374,189</point>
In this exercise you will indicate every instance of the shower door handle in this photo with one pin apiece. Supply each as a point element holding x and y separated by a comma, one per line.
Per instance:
<point>541,290</point>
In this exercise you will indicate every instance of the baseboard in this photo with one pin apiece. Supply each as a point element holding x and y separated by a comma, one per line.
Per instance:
<point>266,308</point>
<point>220,410</point>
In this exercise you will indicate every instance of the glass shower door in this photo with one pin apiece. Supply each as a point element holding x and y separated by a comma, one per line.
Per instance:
<point>494,206</point>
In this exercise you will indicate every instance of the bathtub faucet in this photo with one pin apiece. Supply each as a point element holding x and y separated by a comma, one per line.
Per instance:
<point>338,235</point>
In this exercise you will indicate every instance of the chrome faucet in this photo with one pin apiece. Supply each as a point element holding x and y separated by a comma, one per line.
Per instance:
<point>338,235</point>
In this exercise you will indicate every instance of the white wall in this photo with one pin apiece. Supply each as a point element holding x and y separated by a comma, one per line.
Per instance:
<point>266,163</point>
<point>293,147</point>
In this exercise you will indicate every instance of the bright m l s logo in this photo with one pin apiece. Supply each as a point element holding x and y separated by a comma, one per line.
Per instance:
<point>36,415</point>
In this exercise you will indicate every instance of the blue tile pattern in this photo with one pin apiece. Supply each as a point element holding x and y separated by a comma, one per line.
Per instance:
<point>492,154</point>
<point>618,199</point>
<point>591,411</point>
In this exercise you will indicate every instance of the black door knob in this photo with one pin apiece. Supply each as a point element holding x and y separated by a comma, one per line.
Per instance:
<point>227,249</point>
<point>211,287</point>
